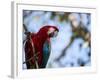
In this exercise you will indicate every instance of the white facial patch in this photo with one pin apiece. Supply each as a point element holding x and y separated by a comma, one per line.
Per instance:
<point>51,30</point>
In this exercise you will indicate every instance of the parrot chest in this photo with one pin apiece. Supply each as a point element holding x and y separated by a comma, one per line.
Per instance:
<point>43,50</point>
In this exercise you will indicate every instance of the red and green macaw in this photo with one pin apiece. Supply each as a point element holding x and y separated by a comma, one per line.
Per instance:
<point>37,47</point>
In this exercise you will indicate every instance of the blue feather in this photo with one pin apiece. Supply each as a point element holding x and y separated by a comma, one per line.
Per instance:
<point>46,53</point>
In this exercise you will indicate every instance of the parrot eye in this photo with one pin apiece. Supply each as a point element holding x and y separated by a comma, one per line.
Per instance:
<point>52,32</point>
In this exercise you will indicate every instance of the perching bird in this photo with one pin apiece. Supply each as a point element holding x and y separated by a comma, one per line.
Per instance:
<point>37,47</point>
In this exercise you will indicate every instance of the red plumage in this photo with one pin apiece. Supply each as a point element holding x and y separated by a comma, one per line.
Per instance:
<point>34,45</point>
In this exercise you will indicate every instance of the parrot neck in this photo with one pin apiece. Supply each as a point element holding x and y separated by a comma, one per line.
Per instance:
<point>43,38</point>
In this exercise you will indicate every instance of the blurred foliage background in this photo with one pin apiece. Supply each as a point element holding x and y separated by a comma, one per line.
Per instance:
<point>72,46</point>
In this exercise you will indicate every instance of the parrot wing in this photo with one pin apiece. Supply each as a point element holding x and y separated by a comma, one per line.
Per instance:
<point>46,53</point>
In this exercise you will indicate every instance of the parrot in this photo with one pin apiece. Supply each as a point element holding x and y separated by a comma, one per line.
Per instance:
<point>37,47</point>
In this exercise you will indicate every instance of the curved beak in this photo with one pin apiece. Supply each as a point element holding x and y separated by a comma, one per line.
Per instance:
<point>53,32</point>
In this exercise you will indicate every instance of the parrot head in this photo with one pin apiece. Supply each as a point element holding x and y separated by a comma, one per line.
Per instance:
<point>52,31</point>
<point>48,31</point>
